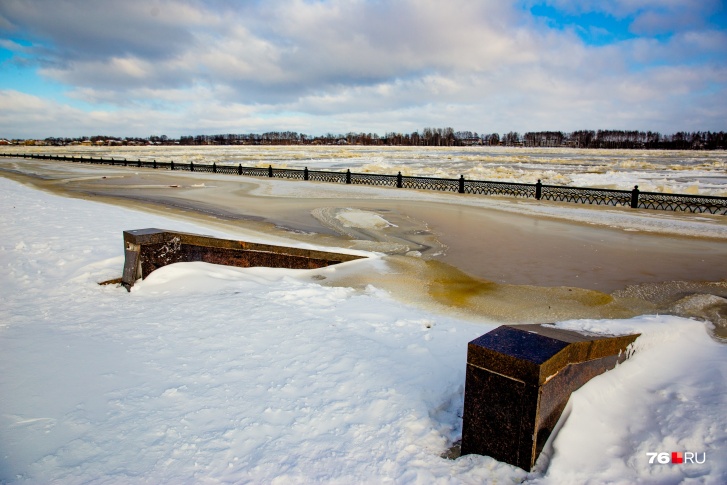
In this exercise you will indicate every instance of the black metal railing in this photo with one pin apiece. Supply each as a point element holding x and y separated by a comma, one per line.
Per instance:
<point>375,179</point>
<point>635,198</point>
<point>584,195</point>
<point>501,188</point>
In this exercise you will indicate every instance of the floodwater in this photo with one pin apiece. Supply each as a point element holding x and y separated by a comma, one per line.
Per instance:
<point>442,253</point>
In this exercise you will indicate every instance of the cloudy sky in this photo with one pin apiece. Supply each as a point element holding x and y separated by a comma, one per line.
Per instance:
<point>152,67</point>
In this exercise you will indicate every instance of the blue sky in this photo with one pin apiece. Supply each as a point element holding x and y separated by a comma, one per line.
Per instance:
<point>145,67</point>
<point>594,28</point>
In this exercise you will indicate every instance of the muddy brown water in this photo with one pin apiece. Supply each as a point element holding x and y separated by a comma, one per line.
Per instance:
<point>474,261</point>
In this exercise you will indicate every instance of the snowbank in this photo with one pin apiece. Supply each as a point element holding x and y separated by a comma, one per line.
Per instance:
<point>217,374</point>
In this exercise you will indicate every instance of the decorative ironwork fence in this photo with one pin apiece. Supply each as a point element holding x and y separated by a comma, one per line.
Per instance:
<point>427,183</point>
<point>586,195</point>
<point>321,176</point>
<point>375,179</point>
<point>501,188</point>
<point>635,198</point>
<point>680,202</point>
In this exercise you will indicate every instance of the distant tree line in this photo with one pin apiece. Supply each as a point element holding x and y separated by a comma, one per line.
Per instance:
<point>439,137</point>
<point>699,140</point>
<point>443,137</point>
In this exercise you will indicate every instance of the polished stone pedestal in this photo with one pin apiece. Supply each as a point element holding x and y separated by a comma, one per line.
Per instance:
<point>149,249</point>
<point>519,379</point>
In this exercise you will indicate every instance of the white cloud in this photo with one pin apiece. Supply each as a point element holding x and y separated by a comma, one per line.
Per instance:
<point>301,43</point>
<point>13,46</point>
<point>190,67</point>
<point>90,29</point>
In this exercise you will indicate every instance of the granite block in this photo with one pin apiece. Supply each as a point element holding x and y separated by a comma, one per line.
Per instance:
<point>518,381</point>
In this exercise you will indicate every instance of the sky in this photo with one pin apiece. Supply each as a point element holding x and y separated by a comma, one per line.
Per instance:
<point>151,67</point>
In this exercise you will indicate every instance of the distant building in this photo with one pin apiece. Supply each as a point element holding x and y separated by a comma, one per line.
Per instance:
<point>471,141</point>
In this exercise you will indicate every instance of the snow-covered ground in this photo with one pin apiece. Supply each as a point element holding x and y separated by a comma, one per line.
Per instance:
<point>215,374</point>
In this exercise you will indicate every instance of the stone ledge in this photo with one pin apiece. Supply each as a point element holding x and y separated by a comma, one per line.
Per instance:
<point>149,249</point>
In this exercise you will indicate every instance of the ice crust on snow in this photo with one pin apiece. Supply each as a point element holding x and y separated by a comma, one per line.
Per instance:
<point>219,374</point>
<point>362,219</point>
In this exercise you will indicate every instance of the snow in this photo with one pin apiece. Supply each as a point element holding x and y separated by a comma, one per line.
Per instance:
<point>362,219</point>
<point>214,374</point>
<point>670,396</point>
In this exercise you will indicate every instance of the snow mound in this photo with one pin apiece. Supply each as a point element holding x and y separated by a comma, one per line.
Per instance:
<point>362,219</point>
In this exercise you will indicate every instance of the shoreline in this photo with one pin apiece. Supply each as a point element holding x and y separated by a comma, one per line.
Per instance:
<point>472,260</point>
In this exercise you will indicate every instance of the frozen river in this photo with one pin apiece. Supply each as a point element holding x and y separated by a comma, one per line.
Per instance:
<point>687,172</point>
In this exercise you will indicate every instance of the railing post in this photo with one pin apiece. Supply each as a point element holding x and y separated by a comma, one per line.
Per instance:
<point>214,167</point>
<point>124,162</point>
<point>172,165</point>
<point>538,190</point>
<point>191,166</point>
<point>305,173</point>
<point>461,184</point>
<point>399,181</point>
<point>635,197</point>
<point>239,169</point>
<point>155,164</point>
<point>138,163</point>
<point>270,171</point>
<point>348,176</point>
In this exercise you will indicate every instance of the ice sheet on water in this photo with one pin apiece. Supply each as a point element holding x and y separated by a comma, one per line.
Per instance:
<point>362,219</point>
